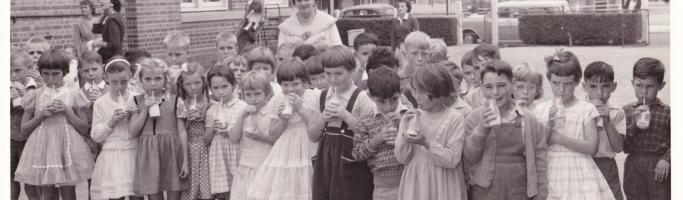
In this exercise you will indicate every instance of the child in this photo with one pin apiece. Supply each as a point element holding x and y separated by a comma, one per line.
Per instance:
<point>251,130</point>
<point>305,51</point>
<point>315,70</point>
<point>226,44</point>
<point>161,163</point>
<point>506,158</point>
<point>599,85</point>
<point>115,167</point>
<point>286,172</point>
<point>177,45</point>
<point>236,64</point>
<point>221,118</point>
<point>648,165</point>
<point>35,47</point>
<point>572,173</point>
<point>54,116</point>
<point>439,50</point>
<point>414,52</point>
<point>454,100</point>
<point>336,175</point>
<point>470,73</point>
<point>285,51</point>
<point>363,45</point>
<point>528,85</point>
<point>379,57</point>
<point>262,59</point>
<point>135,57</point>
<point>480,54</point>
<point>20,64</point>
<point>192,106</point>
<point>430,140</point>
<point>376,133</point>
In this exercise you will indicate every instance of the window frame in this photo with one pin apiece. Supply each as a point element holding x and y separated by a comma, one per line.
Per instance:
<point>200,5</point>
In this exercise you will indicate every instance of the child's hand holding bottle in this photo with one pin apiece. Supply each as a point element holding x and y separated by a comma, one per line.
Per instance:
<point>602,110</point>
<point>390,130</point>
<point>643,115</point>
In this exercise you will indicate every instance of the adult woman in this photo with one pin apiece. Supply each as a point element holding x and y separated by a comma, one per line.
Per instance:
<point>112,29</point>
<point>405,23</point>
<point>83,28</point>
<point>309,25</point>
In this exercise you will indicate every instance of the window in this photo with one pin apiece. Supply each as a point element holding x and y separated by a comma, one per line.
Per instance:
<point>204,5</point>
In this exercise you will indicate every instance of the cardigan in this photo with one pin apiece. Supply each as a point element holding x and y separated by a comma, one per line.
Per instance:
<point>113,30</point>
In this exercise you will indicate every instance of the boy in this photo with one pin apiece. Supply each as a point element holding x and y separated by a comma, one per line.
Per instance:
<point>599,85</point>
<point>335,178</point>
<point>455,101</point>
<point>480,54</point>
<point>305,51</point>
<point>285,51</point>
<point>439,50</point>
<point>134,57</point>
<point>92,86</point>
<point>315,71</point>
<point>20,64</point>
<point>177,45</point>
<point>378,58</point>
<point>226,44</point>
<point>415,50</point>
<point>648,165</point>
<point>377,131</point>
<point>35,47</point>
<point>363,45</point>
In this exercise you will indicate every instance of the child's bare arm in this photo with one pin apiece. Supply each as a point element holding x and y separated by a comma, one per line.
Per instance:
<point>588,145</point>
<point>616,139</point>
<point>137,122</point>
<point>315,124</point>
<point>182,133</point>
<point>29,122</point>
<point>78,118</point>
<point>235,132</point>
<point>277,127</point>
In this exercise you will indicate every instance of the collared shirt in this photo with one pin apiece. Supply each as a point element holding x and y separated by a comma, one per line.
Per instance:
<point>99,86</point>
<point>656,138</point>
<point>475,98</point>
<point>362,105</point>
<point>618,119</point>
<point>16,113</point>
<point>462,107</point>
<point>382,160</point>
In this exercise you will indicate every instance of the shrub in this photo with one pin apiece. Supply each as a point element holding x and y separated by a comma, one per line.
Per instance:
<point>382,27</point>
<point>440,27</point>
<point>584,28</point>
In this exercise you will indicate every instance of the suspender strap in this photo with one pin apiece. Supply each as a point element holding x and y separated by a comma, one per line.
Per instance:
<point>349,107</point>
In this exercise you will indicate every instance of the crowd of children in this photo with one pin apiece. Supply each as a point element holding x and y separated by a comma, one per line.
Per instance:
<point>332,124</point>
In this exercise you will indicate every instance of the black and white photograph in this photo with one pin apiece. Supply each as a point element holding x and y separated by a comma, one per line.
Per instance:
<point>340,100</point>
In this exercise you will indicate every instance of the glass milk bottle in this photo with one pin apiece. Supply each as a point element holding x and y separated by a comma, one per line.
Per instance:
<point>597,102</point>
<point>335,101</point>
<point>558,119</point>
<point>413,129</point>
<point>287,112</point>
<point>643,116</point>
<point>494,108</point>
<point>154,111</point>
<point>16,102</point>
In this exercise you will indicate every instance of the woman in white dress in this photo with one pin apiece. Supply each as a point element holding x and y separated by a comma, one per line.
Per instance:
<point>310,26</point>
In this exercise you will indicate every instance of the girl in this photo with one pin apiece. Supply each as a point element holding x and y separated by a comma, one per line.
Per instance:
<point>162,146</point>
<point>192,106</point>
<point>238,66</point>
<point>254,125</point>
<point>528,85</point>
<point>221,118</point>
<point>572,173</point>
<point>430,140</point>
<point>55,153</point>
<point>115,167</point>
<point>505,158</point>
<point>286,172</point>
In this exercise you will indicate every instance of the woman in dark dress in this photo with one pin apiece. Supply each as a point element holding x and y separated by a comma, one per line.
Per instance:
<point>404,23</point>
<point>112,29</point>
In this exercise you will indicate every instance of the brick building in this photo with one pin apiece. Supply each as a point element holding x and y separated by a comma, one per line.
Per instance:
<point>147,22</point>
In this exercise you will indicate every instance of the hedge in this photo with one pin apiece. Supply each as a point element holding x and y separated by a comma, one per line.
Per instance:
<point>584,28</point>
<point>382,27</point>
<point>435,26</point>
<point>445,27</point>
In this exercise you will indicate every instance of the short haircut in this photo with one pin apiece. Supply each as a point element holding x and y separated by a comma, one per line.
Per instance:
<point>408,5</point>
<point>314,65</point>
<point>497,67</point>
<point>439,51</point>
<point>417,39</point>
<point>39,40</point>
<point>89,57</point>
<point>563,63</point>
<point>529,73</point>
<point>305,51</point>
<point>338,56</point>
<point>135,54</point>
<point>154,64</point>
<point>236,60</point>
<point>115,65</point>
<point>599,71</point>
<point>226,36</point>
<point>434,80</point>
<point>260,55</point>
<point>457,74</point>
<point>177,39</point>
<point>291,70</point>
<point>649,67</point>
<point>381,56</point>
<point>193,68</point>
<point>53,59</point>
<point>221,72</point>
<point>486,51</point>
<point>365,38</point>
<point>467,59</point>
<point>288,45</point>
<point>90,5</point>
<point>383,83</point>
<point>116,5</point>
<point>20,59</point>
<point>256,80</point>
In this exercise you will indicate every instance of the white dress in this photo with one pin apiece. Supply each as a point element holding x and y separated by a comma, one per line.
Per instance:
<point>287,171</point>
<point>573,175</point>
<point>323,31</point>
<point>115,166</point>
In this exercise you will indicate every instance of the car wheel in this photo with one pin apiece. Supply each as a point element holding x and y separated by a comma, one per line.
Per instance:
<point>469,38</point>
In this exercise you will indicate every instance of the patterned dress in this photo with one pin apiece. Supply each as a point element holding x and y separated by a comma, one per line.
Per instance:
<point>222,152</point>
<point>200,186</point>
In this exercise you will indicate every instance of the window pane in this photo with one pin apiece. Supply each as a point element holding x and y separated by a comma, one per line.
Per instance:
<point>212,1</point>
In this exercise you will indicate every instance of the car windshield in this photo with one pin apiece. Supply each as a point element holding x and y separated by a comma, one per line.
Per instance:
<point>516,12</point>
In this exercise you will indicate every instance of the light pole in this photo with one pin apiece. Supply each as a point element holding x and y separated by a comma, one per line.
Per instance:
<point>494,22</point>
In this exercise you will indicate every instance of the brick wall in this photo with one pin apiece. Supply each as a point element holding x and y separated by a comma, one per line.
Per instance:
<point>49,18</point>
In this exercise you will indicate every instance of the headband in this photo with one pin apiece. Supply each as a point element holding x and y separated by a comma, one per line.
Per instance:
<point>113,61</point>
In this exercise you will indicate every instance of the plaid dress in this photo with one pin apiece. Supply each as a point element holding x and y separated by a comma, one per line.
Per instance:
<point>222,152</point>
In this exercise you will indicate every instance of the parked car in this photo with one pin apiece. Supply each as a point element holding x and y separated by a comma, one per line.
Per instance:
<point>368,11</point>
<point>477,28</point>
